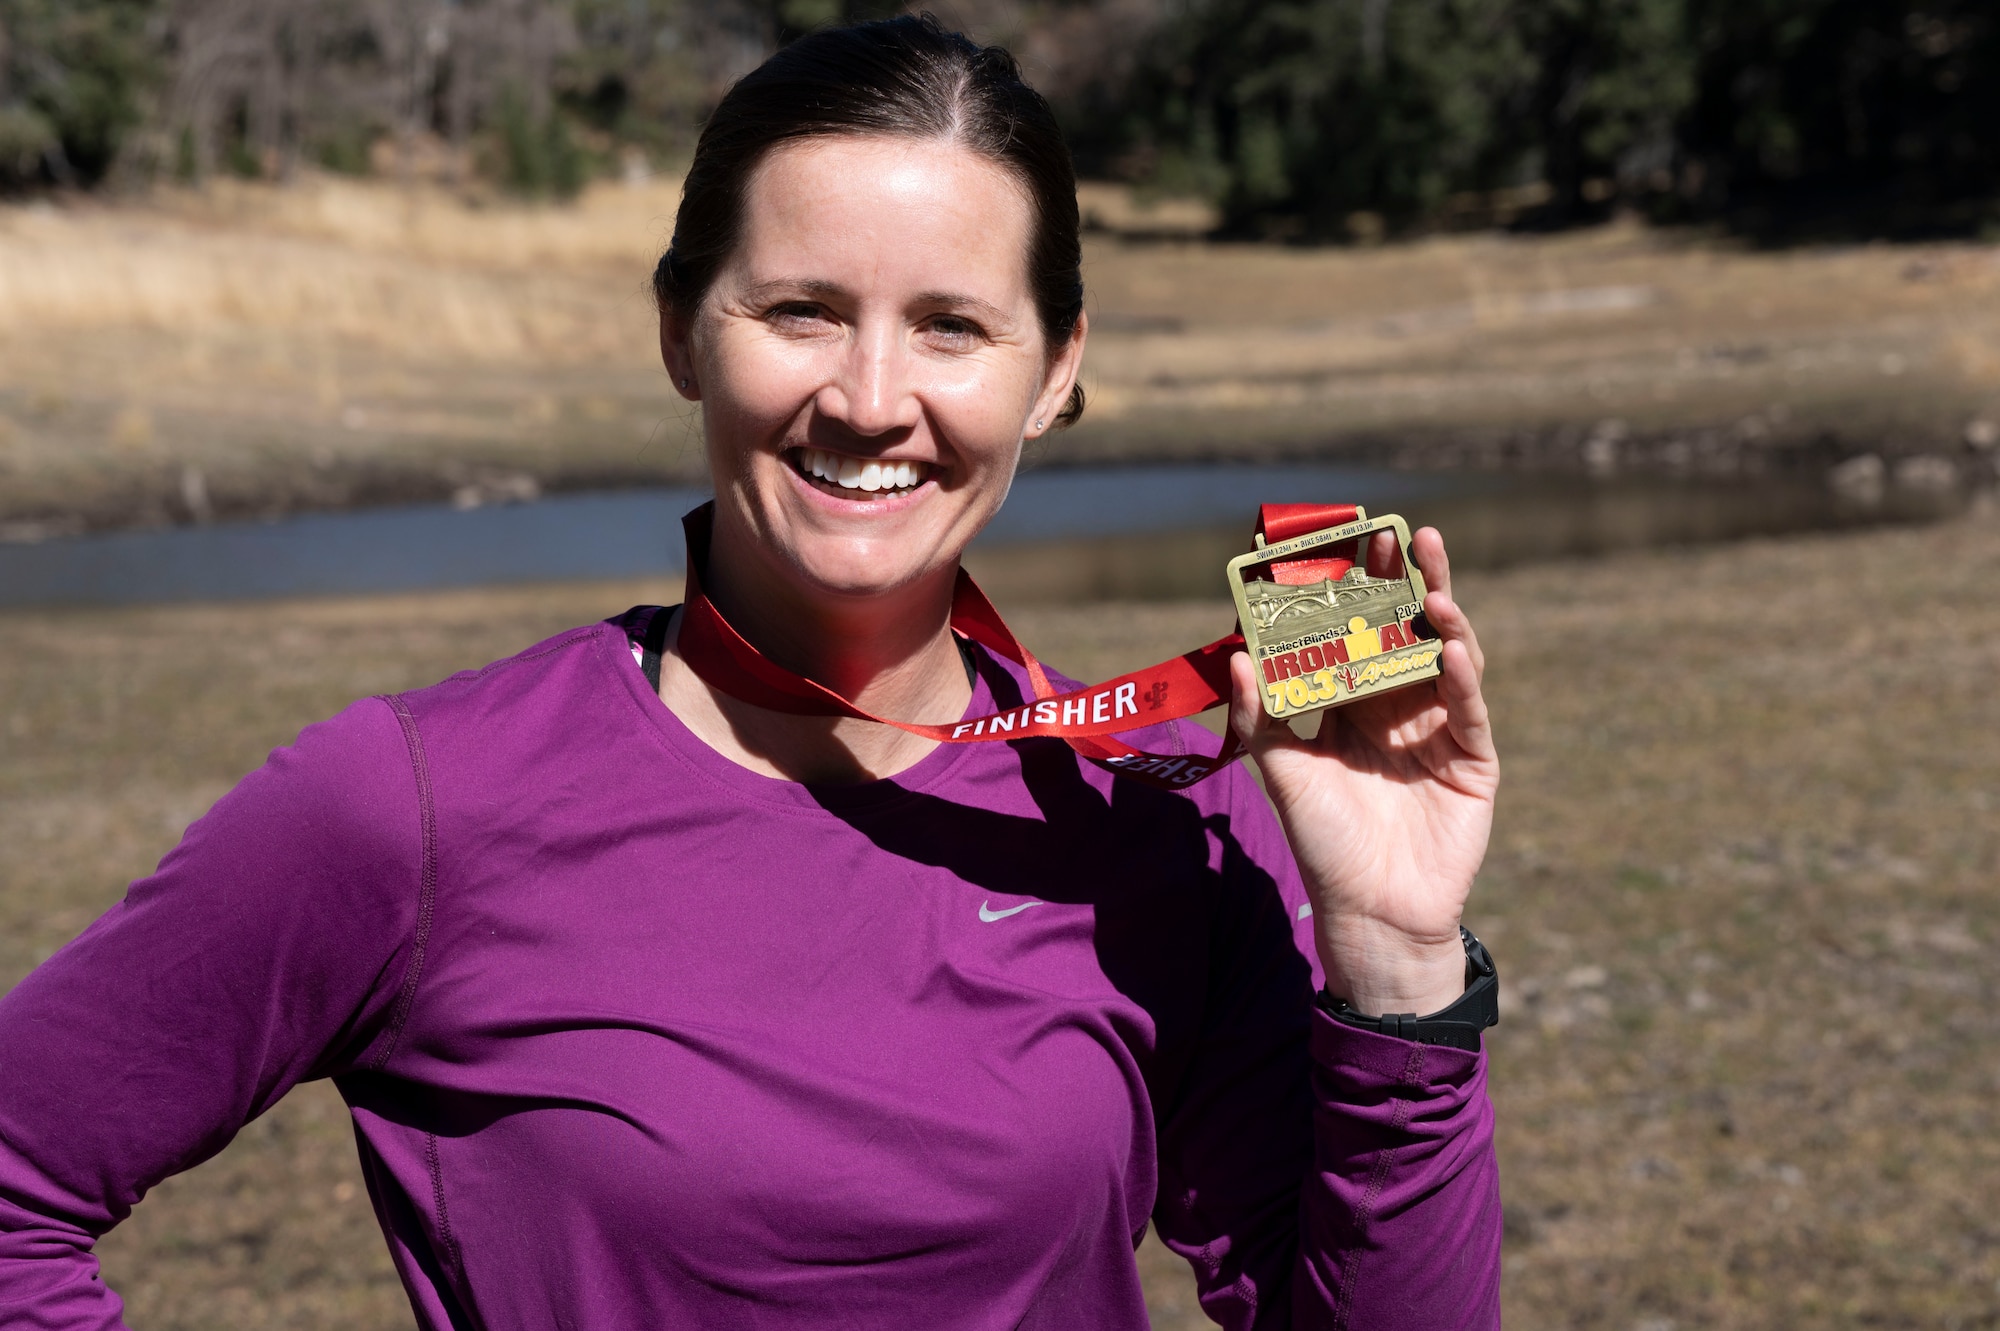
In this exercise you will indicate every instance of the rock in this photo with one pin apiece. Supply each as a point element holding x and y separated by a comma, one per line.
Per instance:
<point>1861,478</point>
<point>1926,471</point>
<point>194,494</point>
<point>496,488</point>
<point>1600,450</point>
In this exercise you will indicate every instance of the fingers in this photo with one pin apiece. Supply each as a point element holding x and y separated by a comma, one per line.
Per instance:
<point>1440,607</point>
<point>1327,739</point>
<point>1247,719</point>
<point>1464,662</point>
<point>1452,625</point>
<point>1385,559</point>
<point>1257,729</point>
<point>1464,705</point>
<point>1427,548</point>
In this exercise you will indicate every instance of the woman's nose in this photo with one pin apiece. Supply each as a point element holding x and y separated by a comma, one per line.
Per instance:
<point>872,393</point>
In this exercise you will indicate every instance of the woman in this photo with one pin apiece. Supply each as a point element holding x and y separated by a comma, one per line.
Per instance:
<point>658,1007</point>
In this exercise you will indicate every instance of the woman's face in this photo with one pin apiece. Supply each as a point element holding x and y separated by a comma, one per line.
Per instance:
<point>869,360</point>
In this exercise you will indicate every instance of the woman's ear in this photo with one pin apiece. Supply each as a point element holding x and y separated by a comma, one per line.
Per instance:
<point>1059,378</point>
<point>678,356</point>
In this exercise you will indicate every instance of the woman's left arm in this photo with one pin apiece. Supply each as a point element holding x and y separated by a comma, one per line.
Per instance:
<point>1387,811</point>
<point>1314,1174</point>
<point>1318,1175</point>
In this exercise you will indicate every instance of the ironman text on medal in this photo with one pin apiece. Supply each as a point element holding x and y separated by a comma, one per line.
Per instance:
<point>1320,629</point>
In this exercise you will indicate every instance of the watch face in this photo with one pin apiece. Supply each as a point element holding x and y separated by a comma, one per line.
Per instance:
<point>1478,961</point>
<point>1323,628</point>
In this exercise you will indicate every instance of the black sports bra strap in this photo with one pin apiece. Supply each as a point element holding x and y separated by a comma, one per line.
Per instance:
<point>971,662</point>
<point>654,643</point>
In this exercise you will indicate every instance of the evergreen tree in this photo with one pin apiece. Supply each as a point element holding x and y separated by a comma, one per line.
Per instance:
<point>73,78</point>
<point>1865,115</point>
<point>1306,118</point>
<point>1610,80</point>
<point>1294,114</point>
<point>1852,115</point>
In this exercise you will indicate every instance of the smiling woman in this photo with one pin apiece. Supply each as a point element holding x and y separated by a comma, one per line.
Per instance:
<point>668,989</point>
<point>874,319</point>
<point>875,274</point>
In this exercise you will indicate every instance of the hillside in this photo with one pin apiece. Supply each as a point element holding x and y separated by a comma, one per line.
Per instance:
<point>251,350</point>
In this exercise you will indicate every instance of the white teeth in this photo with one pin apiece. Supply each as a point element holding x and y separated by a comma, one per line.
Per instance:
<point>854,474</point>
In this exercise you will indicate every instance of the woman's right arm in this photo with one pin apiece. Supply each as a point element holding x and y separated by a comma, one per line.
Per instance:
<point>270,947</point>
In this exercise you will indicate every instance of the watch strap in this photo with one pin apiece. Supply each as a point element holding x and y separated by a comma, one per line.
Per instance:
<point>1457,1026</point>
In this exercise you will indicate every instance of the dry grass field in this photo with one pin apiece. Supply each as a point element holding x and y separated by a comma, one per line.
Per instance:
<point>1742,892</point>
<point>252,350</point>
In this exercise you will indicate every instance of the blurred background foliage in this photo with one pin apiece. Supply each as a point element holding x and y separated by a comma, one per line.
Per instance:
<point>1309,119</point>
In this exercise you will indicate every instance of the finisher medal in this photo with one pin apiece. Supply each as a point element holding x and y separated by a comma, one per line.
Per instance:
<point>1322,630</point>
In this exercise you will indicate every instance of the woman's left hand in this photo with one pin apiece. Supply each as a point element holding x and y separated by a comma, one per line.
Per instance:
<point>1388,810</point>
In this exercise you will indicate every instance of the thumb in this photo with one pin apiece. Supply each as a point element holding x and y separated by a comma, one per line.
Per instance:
<point>1247,718</point>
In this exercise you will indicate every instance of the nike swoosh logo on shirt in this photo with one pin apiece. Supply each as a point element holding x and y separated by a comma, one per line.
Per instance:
<point>988,914</point>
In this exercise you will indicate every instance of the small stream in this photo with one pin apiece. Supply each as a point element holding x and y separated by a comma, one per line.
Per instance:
<point>1147,532</point>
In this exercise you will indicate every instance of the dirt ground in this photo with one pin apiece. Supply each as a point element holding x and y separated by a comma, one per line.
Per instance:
<point>1741,891</point>
<point>250,351</point>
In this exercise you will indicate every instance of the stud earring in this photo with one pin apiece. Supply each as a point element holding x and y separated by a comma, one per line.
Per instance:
<point>1038,425</point>
<point>684,383</point>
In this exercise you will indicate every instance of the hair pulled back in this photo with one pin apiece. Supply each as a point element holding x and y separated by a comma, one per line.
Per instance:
<point>903,77</point>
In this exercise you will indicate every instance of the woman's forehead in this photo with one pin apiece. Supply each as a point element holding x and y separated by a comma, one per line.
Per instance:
<point>885,206</point>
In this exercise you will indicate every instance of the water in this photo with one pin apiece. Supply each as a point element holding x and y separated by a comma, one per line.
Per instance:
<point>1147,532</point>
<point>369,550</point>
<point>1488,521</point>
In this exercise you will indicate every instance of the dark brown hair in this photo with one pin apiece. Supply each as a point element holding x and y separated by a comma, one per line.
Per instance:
<point>905,77</point>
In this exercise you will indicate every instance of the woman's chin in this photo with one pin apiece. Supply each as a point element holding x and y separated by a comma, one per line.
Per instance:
<point>864,570</point>
<point>877,546</point>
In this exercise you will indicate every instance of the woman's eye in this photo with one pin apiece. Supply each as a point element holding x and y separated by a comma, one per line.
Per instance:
<point>795,311</point>
<point>953,328</point>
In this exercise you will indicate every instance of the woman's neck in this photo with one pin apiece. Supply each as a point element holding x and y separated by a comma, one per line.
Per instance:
<point>892,654</point>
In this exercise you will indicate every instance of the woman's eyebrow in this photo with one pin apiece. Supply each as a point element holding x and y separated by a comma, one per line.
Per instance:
<point>814,288</point>
<point>956,300</point>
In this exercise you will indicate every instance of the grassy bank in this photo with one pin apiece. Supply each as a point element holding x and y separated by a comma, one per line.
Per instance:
<point>1741,890</point>
<point>253,350</point>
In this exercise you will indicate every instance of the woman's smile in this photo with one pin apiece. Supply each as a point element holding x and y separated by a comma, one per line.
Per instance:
<point>865,480</point>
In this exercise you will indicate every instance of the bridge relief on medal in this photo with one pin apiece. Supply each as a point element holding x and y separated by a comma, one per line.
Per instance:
<point>1322,629</point>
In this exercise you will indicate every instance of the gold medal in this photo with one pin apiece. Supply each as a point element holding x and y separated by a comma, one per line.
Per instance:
<point>1320,630</point>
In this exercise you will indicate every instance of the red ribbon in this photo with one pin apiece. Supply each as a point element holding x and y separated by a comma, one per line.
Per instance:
<point>1086,719</point>
<point>1281,522</point>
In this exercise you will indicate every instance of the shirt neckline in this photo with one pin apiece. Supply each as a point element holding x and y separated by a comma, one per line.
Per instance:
<point>690,749</point>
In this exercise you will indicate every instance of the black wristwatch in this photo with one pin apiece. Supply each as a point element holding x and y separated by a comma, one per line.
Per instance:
<point>1457,1026</point>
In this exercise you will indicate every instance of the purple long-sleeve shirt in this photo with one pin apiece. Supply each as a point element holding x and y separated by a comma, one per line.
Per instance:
<point>635,1037</point>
